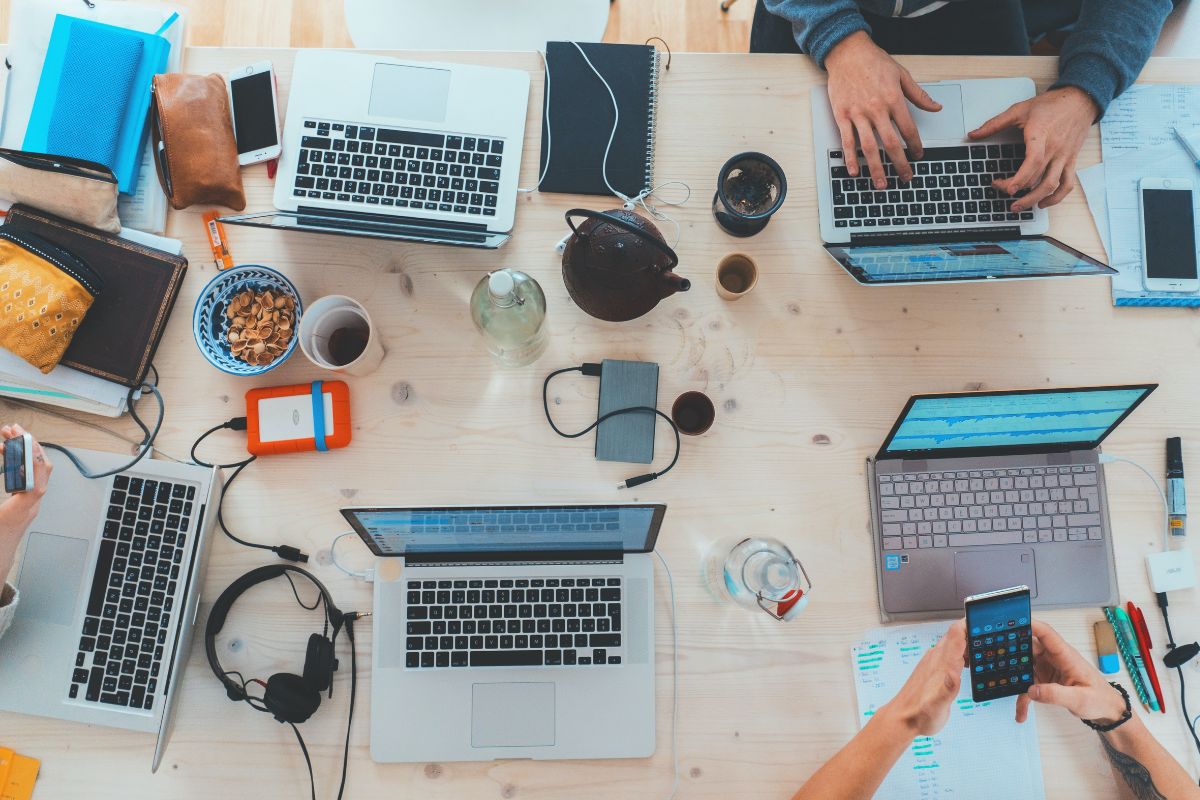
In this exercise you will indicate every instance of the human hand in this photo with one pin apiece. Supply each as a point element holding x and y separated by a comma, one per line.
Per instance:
<point>20,508</point>
<point>923,703</point>
<point>867,90</point>
<point>1063,677</point>
<point>1056,125</point>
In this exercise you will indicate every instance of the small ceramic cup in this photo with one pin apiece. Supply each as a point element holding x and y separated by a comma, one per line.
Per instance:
<point>331,318</point>
<point>693,413</point>
<point>737,274</point>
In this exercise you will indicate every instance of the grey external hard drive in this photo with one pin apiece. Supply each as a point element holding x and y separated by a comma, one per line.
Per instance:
<point>627,437</point>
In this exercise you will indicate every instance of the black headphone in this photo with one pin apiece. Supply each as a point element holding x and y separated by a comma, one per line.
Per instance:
<point>289,697</point>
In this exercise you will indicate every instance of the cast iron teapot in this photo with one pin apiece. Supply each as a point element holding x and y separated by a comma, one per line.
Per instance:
<point>617,266</point>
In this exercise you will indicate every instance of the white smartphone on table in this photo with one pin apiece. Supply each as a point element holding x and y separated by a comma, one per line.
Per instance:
<point>1168,235</point>
<point>255,106</point>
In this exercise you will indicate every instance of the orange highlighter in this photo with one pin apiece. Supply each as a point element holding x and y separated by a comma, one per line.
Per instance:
<point>1143,636</point>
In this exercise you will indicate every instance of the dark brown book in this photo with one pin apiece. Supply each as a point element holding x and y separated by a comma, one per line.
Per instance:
<point>117,339</point>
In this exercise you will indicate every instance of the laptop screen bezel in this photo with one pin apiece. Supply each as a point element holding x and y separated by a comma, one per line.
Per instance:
<point>952,237</point>
<point>1007,450</point>
<point>660,510</point>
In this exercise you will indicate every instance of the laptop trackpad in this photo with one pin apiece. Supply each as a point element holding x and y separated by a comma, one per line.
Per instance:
<point>50,573</point>
<point>945,124</point>
<point>980,570</point>
<point>512,715</point>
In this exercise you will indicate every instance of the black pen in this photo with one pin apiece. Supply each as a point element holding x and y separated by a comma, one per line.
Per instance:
<point>1176,497</point>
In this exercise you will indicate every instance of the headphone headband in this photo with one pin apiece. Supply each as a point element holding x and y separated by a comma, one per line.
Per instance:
<point>220,611</point>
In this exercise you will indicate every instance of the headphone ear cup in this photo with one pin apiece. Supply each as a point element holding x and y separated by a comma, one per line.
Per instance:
<point>290,698</point>
<point>319,663</point>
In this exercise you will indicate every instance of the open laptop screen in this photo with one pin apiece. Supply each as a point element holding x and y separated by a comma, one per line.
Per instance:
<point>495,530</point>
<point>904,262</point>
<point>1009,423</point>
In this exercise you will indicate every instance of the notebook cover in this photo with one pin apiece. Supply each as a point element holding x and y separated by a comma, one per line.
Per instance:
<point>581,118</point>
<point>627,437</point>
<point>118,337</point>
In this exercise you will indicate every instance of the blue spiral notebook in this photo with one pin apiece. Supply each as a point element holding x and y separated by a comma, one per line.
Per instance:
<point>93,95</point>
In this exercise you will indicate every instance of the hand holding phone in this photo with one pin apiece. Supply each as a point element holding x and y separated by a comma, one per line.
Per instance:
<point>1063,677</point>
<point>999,643</point>
<point>1168,235</point>
<point>18,464</point>
<point>255,107</point>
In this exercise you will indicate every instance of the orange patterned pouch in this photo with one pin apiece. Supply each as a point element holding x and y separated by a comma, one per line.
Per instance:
<point>45,291</point>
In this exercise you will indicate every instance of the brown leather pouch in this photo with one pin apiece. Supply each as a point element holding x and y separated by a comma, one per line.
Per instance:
<point>198,161</point>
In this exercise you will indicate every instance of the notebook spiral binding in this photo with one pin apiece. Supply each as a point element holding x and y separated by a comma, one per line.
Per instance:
<point>653,121</point>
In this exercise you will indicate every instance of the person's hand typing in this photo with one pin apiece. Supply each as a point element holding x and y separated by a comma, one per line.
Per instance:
<point>923,703</point>
<point>867,89</point>
<point>1055,125</point>
<point>1063,677</point>
<point>20,509</point>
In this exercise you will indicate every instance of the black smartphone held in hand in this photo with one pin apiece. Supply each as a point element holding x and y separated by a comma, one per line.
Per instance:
<point>18,464</point>
<point>999,643</point>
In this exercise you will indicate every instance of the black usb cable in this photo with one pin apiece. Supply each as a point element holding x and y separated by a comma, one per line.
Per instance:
<point>1175,658</point>
<point>593,371</point>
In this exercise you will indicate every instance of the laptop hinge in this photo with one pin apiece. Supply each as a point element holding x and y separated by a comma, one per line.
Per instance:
<point>1000,234</point>
<point>390,220</point>
<point>535,558</point>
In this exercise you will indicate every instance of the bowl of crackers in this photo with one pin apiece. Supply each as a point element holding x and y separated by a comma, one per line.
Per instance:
<point>246,320</point>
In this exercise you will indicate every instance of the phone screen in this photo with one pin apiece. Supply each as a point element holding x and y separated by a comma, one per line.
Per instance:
<point>1170,234</point>
<point>14,465</point>
<point>254,112</point>
<point>999,645</point>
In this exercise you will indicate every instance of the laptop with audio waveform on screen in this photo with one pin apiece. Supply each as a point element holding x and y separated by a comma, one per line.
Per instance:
<point>977,491</point>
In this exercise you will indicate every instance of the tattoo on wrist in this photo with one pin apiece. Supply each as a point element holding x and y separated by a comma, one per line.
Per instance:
<point>1132,771</point>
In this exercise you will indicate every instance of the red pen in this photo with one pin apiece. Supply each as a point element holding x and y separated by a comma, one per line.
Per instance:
<point>1143,635</point>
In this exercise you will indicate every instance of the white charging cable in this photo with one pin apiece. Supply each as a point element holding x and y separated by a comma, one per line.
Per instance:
<point>1107,459</point>
<point>333,556</point>
<point>675,680</point>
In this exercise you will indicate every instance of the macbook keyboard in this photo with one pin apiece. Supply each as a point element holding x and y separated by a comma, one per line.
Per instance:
<point>530,622</point>
<point>989,507</point>
<point>354,164</point>
<point>950,186</point>
<point>133,592</point>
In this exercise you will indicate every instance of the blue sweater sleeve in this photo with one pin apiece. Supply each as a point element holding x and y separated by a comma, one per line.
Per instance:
<point>818,25</point>
<point>1109,46</point>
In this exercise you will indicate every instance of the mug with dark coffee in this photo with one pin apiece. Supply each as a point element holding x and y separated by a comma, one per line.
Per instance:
<point>693,413</point>
<point>337,333</point>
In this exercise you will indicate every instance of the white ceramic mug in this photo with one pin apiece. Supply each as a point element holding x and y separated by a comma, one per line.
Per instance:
<point>329,314</point>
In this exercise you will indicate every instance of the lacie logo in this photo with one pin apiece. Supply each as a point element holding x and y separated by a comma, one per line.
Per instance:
<point>295,417</point>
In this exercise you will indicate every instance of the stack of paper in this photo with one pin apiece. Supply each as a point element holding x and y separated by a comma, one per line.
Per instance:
<point>980,748</point>
<point>1138,141</point>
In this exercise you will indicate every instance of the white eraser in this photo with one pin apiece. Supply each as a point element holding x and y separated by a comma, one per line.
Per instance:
<point>1171,570</point>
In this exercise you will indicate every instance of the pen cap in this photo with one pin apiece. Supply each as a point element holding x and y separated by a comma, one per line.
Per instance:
<point>1107,654</point>
<point>1174,457</point>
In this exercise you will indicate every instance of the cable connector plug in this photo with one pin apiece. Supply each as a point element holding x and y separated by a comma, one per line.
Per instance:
<point>352,616</point>
<point>237,424</point>
<point>1107,459</point>
<point>289,553</point>
<point>638,481</point>
<point>592,370</point>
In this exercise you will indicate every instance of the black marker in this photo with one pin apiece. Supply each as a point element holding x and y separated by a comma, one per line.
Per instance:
<point>1176,498</point>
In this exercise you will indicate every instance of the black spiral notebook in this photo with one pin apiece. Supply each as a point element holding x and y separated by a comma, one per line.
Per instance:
<point>581,118</point>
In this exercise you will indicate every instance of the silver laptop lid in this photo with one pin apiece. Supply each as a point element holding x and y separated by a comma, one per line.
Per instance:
<point>374,226</point>
<point>1020,422</point>
<point>437,534</point>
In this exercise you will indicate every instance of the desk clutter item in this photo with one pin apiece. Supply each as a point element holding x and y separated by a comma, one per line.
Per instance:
<point>80,191</point>
<point>260,325</point>
<point>1127,645</point>
<point>627,437</point>
<point>509,310</point>
<point>750,188</point>
<point>17,774</point>
<point>120,335</point>
<point>981,746</point>
<point>45,291</point>
<point>693,413</point>
<point>337,334</point>
<point>580,118</point>
<point>212,324</point>
<point>285,419</point>
<point>737,274</point>
<point>1107,653</point>
<point>198,163</point>
<point>757,572</point>
<point>617,265</point>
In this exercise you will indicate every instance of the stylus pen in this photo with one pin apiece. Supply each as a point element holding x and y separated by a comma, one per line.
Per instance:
<point>1188,146</point>
<point>1176,497</point>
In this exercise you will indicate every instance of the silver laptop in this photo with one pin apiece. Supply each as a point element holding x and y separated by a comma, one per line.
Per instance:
<point>415,150</point>
<point>948,223</point>
<point>110,577</point>
<point>977,491</point>
<point>512,631</point>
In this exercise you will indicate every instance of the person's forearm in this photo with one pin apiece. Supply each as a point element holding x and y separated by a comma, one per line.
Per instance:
<point>856,771</point>
<point>1143,769</point>
<point>819,25</point>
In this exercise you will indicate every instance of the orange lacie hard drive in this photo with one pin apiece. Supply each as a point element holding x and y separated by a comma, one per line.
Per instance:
<point>285,419</point>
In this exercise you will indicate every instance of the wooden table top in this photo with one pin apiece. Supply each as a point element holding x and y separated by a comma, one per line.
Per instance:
<point>808,373</point>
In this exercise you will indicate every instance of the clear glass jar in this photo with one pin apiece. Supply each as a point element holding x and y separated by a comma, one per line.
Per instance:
<point>509,310</point>
<point>757,572</point>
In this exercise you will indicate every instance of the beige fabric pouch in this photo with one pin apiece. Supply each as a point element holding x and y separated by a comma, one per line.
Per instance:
<point>80,191</point>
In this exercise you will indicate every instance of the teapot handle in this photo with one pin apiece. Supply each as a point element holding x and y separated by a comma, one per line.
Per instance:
<point>626,226</point>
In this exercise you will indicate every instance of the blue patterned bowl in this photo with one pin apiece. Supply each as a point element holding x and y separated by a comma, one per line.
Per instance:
<point>210,324</point>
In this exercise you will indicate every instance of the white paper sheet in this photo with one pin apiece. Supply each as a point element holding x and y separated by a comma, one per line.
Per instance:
<point>1091,180</point>
<point>980,748</point>
<point>65,380</point>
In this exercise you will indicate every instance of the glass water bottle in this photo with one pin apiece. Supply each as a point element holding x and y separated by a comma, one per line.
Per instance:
<point>757,572</point>
<point>509,310</point>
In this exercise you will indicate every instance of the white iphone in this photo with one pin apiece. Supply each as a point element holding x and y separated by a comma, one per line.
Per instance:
<point>255,106</point>
<point>1168,235</point>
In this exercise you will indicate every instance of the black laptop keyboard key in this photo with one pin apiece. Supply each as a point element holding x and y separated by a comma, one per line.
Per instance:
<point>506,658</point>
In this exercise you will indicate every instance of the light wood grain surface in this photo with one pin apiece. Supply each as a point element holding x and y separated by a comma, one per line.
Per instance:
<point>807,372</point>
